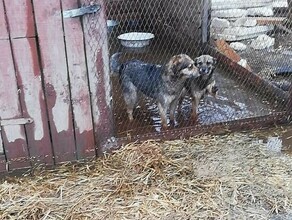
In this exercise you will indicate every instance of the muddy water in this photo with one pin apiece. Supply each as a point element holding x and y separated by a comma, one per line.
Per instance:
<point>232,103</point>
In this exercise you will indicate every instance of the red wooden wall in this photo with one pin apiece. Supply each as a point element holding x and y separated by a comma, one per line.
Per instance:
<point>52,73</point>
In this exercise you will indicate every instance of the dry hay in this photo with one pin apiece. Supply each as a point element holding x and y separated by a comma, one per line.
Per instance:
<point>208,177</point>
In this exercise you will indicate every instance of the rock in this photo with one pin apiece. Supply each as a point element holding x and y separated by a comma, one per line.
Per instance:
<point>279,4</point>
<point>218,23</point>
<point>242,33</point>
<point>243,63</point>
<point>261,11</point>
<point>262,42</point>
<point>229,13</point>
<point>238,46</point>
<point>231,4</point>
<point>245,22</point>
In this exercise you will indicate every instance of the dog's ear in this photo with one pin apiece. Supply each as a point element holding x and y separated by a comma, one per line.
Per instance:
<point>214,61</point>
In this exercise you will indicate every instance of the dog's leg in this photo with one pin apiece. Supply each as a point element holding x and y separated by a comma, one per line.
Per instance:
<point>163,115</point>
<point>180,100</point>
<point>195,105</point>
<point>130,97</point>
<point>172,109</point>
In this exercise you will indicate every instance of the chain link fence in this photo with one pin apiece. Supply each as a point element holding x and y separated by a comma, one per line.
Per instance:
<point>249,41</point>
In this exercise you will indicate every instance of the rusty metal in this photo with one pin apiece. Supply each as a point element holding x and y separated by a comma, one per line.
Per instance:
<point>187,132</point>
<point>81,11</point>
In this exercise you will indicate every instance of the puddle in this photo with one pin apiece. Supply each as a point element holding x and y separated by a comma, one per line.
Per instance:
<point>277,141</point>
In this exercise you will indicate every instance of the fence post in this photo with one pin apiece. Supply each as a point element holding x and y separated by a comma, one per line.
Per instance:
<point>205,21</point>
<point>96,46</point>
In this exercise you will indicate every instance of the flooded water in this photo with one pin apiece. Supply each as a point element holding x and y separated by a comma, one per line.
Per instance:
<point>277,140</point>
<point>232,103</point>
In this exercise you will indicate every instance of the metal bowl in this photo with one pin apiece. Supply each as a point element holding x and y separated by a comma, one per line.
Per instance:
<point>136,39</point>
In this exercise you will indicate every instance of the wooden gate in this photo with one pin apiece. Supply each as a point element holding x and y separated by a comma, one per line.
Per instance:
<point>54,87</point>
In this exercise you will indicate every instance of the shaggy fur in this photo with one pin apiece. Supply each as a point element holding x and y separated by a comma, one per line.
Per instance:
<point>162,83</point>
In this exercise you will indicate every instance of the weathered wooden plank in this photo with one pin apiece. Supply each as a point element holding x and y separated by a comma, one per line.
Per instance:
<point>51,41</point>
<point>206,18</point>
<point>96,44</point>
<point>230,4</point>
<point>269,20</point>
<point>32,99</point>
<point>2,156</point>
<point>3,167</point>
<point>74,40</point>
<point>13,135</point>
<point>3,24</point>
<point>1,144</point>
<point>20,18</point>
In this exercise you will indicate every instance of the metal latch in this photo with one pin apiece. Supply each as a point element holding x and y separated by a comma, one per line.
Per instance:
<point>15,121</point>
<point>81,11</point>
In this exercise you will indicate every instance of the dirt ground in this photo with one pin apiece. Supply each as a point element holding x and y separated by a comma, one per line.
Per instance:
<point>232,176</point>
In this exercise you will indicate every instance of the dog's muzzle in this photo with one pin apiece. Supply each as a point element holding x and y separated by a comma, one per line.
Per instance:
<point>204,70</point>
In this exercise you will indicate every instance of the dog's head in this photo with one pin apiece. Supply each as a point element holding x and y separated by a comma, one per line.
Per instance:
<point>205,64</point>
<point>181,67</point>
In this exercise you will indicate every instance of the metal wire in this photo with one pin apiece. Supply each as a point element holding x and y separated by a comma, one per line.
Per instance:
<point>253,72</point>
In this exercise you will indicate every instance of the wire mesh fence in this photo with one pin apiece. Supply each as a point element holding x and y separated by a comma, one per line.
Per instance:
<point>245,76</point>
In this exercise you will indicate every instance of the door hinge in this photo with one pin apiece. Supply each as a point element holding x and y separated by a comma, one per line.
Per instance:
<point>72,13</point>
<point>15,121</point>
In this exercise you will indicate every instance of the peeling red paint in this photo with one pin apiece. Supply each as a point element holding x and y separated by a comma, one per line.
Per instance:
<point>20,18</point>
<point>3,24</point>
<point>74,40</point>
<point>32,99</point>
<point>96,42</point>
<point>51,42</point>
<point>14,140</point>
<point>16,152</point>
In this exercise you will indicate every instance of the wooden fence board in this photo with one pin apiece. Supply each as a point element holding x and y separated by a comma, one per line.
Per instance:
<point>20,18</point>
<point>2,156</point>
<point>74,41</point>
<point>96,44</point>
<point>3,24</point>
<point>51,40</point>
<point>1,145</point>
<point>32,99</point>
<point>3,166</point>
<point>13,135</point>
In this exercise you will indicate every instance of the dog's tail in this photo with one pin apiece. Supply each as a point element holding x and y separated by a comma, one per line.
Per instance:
<point>115,63</point>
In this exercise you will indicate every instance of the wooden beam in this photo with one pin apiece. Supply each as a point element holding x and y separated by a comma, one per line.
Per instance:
<point>74,42</point>
<point>269,20</point>
<point>205,21</point>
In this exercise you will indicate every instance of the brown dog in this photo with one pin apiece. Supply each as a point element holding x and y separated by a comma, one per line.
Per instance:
<point>197,87</point>
<point>162,83</point>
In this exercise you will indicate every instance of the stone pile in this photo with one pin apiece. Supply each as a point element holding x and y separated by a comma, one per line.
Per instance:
<point>237,20</point>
